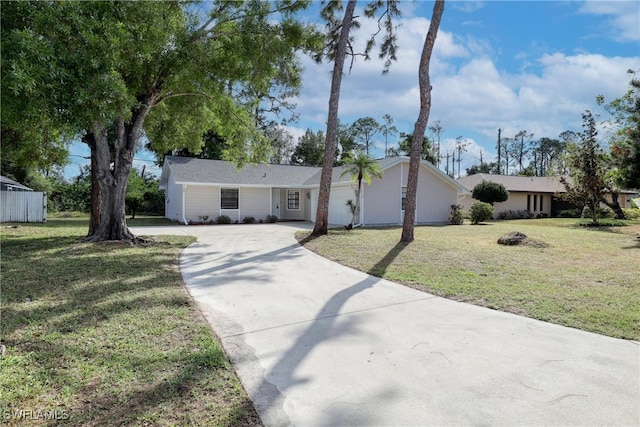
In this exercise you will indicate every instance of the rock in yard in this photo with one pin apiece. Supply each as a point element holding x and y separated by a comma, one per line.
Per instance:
<point>513,238</point>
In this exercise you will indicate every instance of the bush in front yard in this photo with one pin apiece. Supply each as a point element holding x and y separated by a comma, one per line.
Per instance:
<point>223,219</point>
<point>631,213</point>
<point>457,215</point>
<point>518,214</point>
<point>248,220</point>
<point>481,211</point>
<point>272,218</point>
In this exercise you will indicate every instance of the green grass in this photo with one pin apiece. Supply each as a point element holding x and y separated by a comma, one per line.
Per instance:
<point>106,334</point>
<point>586,278</point>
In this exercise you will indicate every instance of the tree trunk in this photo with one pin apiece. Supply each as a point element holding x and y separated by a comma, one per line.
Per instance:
<point>421,123</point>
<point>615,205</point>
<point>113,179</point>
<point>96,201</point>
<point>322,213</point>
<point>356,215</point>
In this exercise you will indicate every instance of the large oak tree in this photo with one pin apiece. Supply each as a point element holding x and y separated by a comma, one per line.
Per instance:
<point>115,72</point>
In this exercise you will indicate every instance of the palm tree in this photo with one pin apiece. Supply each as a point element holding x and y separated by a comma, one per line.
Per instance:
<point>361,166</point>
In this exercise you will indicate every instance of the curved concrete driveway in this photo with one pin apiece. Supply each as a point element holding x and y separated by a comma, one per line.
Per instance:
<point>316,343</point>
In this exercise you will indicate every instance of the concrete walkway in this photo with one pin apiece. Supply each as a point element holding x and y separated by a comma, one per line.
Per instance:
<point>316,343</point>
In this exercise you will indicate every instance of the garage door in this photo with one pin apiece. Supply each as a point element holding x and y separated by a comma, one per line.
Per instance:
<point>339,212</point>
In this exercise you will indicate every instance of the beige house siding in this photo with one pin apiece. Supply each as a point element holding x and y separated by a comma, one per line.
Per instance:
<point>517,202</point>
<point>254,202</point>
<point>200,201</point>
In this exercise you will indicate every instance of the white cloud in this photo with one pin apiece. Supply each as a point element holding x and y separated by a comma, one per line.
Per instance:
<point>623,23</point>
<point>473,94</point>
<point>468,6</point>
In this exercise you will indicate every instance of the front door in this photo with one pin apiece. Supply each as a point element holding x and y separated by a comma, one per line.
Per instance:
<point>275,203</point>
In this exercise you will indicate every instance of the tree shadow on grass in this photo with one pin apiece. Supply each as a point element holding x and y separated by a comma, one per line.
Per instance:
<point>116,329</point>
<point>380,268</point>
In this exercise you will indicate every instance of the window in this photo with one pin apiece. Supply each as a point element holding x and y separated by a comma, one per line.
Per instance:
<point>541,196</point>
<point>293,199</point>
<point>404,197</point>
<point>535,202</point>
<point>529,202</point>
<point>229,198</point>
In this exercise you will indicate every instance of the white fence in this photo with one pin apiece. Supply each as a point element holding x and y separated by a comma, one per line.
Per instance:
<point>23,206</point>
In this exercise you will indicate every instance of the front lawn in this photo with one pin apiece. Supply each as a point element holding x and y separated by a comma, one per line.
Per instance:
<point>106,334</point>
<point>586,278</point>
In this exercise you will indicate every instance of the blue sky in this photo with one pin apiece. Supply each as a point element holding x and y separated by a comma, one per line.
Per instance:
<point>515,65</point>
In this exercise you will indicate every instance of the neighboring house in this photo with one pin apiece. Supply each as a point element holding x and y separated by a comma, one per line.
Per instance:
<point>536,194</point>
<point>19,203</point>
<point>7,184</point>
<point>198,188</point>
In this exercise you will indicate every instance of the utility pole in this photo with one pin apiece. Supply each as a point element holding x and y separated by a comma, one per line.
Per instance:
<point>499,149</point>
<point>446,168</point>
<point>460,147</point>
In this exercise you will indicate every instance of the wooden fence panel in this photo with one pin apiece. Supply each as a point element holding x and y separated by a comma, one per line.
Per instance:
<point>23,206</point>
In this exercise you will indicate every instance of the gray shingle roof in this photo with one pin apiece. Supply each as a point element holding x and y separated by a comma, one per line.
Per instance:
<point>529,184</point>
<point>190,170</point>
<point>11,183</point>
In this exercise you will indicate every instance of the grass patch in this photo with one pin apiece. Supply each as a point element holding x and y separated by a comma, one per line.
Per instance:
<point>586,278</point>
<point>106,334</point>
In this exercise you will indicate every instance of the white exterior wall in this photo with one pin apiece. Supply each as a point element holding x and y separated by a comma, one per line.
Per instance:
<point>383,198</point>
<point>201,201</point>
<point>254,202</point>
<point>173,200</point>
<point>339,212</point>
<point>294,214</point>
<point>314,204</point>
<point>434,199</point>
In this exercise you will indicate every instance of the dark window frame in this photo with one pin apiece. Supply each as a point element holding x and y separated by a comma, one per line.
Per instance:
<point>229,198</point>
<point>293,203</point>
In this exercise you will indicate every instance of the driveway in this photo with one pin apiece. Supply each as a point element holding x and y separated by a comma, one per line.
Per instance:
<point>316,343</point>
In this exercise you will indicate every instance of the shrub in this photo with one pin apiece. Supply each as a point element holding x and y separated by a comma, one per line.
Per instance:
<point>457,215</point>
<point>631,213</point>
<point>223,219</point>
<point>481,211</point>
<point>272,218</point>
<point>490,192</point>
<point>570,213</point>
<point>519,214</point>
<point>601,212</point>
<point>248,220</point>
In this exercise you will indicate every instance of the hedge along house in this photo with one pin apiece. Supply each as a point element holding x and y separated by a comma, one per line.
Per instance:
<point>536,194</point>
<point>196,189</point>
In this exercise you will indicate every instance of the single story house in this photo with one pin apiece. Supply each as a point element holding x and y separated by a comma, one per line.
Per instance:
<point>536,194</point>
<point>7,184</point>
<point>199,188</point>
<point>19,203</point>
